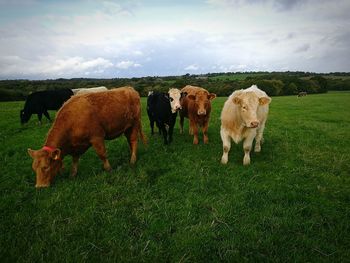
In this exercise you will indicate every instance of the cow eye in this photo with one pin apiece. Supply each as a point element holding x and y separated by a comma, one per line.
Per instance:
<point>244,107</point>
<point>171,99</point>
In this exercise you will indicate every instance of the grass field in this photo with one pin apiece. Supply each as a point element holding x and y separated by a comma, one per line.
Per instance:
<point>179,204</point>
<point>237,76</point>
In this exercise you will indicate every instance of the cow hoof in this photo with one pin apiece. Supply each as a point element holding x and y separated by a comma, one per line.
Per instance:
<point>107,168</point>
<point>224,160</point>
<point>195,142</point>
<point>133,159</point>
<point>257,149</point>
<point>246,161</point>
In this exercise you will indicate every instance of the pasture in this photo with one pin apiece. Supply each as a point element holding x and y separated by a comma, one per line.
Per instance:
<point>178,203</point>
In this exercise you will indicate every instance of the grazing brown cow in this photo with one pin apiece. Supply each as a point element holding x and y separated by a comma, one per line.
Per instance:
<point>196,106</point>
<point>87,120</point>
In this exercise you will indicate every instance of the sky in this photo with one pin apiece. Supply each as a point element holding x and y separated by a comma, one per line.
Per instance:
<point>47,39</point>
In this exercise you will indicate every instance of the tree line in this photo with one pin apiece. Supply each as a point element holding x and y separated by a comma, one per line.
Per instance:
<point>223,84</point>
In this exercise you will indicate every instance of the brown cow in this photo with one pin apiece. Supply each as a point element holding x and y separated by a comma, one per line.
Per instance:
<point>87,120</point>
<point>196,106</point>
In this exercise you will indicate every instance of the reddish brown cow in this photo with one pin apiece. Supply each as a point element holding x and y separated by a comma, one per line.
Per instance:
<point>196,106</point>
<point>84,121</point>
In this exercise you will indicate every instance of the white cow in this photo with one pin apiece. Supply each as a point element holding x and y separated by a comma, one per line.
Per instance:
<point>243,117</point>
<point>89,90</point>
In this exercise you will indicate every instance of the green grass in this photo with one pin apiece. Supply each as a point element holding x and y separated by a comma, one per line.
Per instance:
<point>179,204</point>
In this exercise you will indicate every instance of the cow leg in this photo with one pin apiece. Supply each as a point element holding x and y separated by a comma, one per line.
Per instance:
<point>99,146</point>
<point>190,130</point>
<point>40,115</point>
<point>132,136</point>
<point>247,146</point>
<point>259,138</point>
<point>226,145</point>
<point>165,133</point>
<point>47,115</point>
<point>205,133</point>
<point>194,128</point>
<point>75,162</point>
<point>171,129</point>
<point>151,123</point>
<point>159,128</point>
<point>181,124</point>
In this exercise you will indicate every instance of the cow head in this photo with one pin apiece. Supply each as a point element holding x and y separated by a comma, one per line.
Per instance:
<point>202,101</point>
<point>248,103</point>
<point>174,96</point>
<point>24,116</point>
<point>46,164</point>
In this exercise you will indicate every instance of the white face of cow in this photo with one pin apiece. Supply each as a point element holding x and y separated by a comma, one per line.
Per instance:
<point>248,104</point>
<point>174,97</point>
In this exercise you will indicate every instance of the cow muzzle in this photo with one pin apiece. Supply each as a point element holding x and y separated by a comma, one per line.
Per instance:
<point>202,112</point>
<point>254,124</point>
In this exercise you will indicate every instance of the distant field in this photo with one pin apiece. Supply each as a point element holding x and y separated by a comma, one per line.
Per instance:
<point>345,77</point>
<point>179,204</point>
<point>236,76</point>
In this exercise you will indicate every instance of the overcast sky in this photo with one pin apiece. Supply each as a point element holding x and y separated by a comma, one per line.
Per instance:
<point>42,39</point>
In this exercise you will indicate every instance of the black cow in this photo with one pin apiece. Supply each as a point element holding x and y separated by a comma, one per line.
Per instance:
<point>162,109</point>
<point>42,101</point>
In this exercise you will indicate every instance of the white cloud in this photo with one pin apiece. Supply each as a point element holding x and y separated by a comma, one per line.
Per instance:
<point>52,67</point>
<point>129,38</point>
<point>192,67</point>
<point>302,48</point>
<point>127,64</point>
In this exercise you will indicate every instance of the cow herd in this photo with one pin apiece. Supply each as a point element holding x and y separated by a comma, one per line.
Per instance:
<point>88,118</point>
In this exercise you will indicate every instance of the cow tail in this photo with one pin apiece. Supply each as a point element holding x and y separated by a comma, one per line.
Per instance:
<point>142,135</point>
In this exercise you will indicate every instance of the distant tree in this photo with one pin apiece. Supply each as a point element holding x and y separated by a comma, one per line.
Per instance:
<point>291,89</point>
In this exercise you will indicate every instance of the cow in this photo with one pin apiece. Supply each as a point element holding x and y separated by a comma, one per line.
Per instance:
<point>196,106</point>
<point>42,101</point>
<point>88,120</point>
<point>243,117</point>
<point>162,109</point>
<point>89,90</point>
<point>302,94</point>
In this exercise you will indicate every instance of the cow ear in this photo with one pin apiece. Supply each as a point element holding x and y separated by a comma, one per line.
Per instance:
<point>236,100</point>
<point>211,96</point>
<point>191,97</point>
<point>56,154</point>
<point>166,95</point>
<point>31,153</point>
<point>264,100</point>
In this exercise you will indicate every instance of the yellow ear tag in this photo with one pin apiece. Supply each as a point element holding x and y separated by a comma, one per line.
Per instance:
<point>56,157</point>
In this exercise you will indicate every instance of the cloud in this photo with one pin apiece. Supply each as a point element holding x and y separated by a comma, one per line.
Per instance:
<point>279,5</point>
<point>127,64</point>
<point>52,67</point>
<point>285,5</point>
<point>131,38</point>
<point>302,48</point>
<point>192,67</point>
<point>112,8</point>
